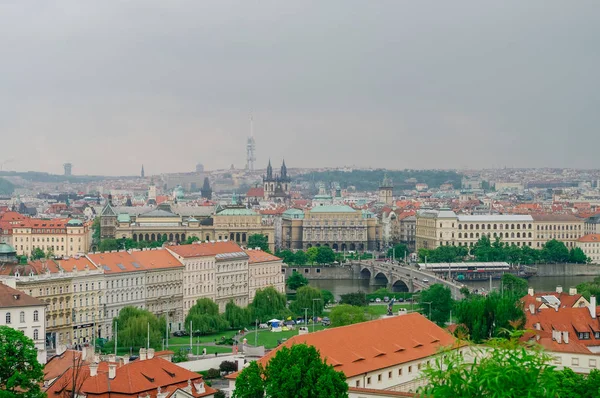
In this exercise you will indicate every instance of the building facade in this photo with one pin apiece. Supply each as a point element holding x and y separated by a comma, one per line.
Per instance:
<point>25,313</point>
<point>264,270</point>
<point>338,226</point>
<point>590,244</point>
<point>562,227</point>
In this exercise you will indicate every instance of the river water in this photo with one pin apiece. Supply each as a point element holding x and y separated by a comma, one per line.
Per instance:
<point>539,283</point>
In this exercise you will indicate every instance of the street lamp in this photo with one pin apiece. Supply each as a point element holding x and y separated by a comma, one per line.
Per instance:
<point>428,302</point>
<point>315,299</point>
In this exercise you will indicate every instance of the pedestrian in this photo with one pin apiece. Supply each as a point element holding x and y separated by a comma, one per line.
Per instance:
<point>216,355</point>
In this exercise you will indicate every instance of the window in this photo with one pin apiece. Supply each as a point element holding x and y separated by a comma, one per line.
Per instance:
<point>389,375</point>
<point>592,363</point>
<point>35,316</point>
<point>379,377</point>
<point>410,369</point>
<point>400,372</point>
<point>7,318</point>
<point>368,380</point>
<point>357,383</point>
<point>575,361</point>
<point>35,334</point>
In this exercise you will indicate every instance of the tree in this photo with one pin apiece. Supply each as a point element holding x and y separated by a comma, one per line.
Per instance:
<point>577,256</point>
<point>260,241</point>
<point>555,251</point>
<point>591,288</point>
<point>96,230</point>
<point>441,301</point>
<point>311,253</point>
<point>287,256</point>
<point>398,251</point>
<point>50,253</point>
<point>206,190</point>
<point>575,385</point>
<point>220,394</point>
<point>296,281</point>
<point>304,299</point>
<point>228,366</point>
<point>325,255</point>
<point>518,286</point>
<point>191,239</point>
<point>267,304</point>
<point>132,324</point>
<point>328,297</point>
<point>503,370</point>
<point>205,318</point>
<point>300,258</point>
<point>345,314</point>
<point>108,245</point>
<point>20,372</point>
<point>37,254</point>
<point>358,299</point>
<point>298,371</point>
<point>237,317</point>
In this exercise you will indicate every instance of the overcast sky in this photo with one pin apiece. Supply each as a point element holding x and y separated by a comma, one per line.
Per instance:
<point>109,85</point>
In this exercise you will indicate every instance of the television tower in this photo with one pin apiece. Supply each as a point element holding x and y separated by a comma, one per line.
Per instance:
<point>250,148</point>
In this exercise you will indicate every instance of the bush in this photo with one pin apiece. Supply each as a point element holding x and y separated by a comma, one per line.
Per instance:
<point>219,394</point>
<point>213,373</point>
<point>228,366</point>
<point>227,341</point>
<point>383,292</point>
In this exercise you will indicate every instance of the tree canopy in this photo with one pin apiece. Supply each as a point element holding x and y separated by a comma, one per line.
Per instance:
<point>357,299</point>
<point>345,314</point>
<point>132,325</point>
<point>20,372</point>
<point>441,301</point>
<point>267,304</point>
<point>298,371</point>
<point>517,286</point>
<point>328,297</point>
<point>205,318</point>
<point>304,299</point>
<point>236,316</point>
<point>398,251</point>
<point>296,281</point>
<point>325,255</point>
<point>260,241</point>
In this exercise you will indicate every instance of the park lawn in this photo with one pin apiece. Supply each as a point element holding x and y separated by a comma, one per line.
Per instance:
<point>210,349</point>
<point>381,309</point>
<point>269,339</point>
<point>209,338</point>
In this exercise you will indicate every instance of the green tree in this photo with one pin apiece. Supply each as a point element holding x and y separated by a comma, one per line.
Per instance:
<point>344,314</point>
<point>205,318</point>
<point>191,239</point>
<point>108,245</point>
<point>37,254</point>
<point>325,255</point>
<point>591,288</point>
<point>575,385</point>
<point>304,299</point>
<point>20,372</point>
<point>132,325</point>
<point>503,370</point>
<point>555,251</point>
<point>267,304</point>
<point>398,251</point>
<point>296,281</point>
<point>358,299</point>
<point>441,301</point>
<point>298,371</point>
<point>260,241</point>
<point>328,297</point>
<point>311,253</point>
<point>236,316</point>
<point>96,230</point>
<point>287,256</point>
<point>50,253</point>
<point>300,258</point>
<point>518,286</point>
<point>577,256</point>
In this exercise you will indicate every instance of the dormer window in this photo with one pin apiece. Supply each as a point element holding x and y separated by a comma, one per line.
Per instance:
<point>597,335</point>
<point>583,336</point>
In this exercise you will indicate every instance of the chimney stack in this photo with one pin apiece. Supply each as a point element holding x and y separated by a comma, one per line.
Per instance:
<point>93,369</point>
<point>142,354</point>
<point>532,309</point>
<point>112,358</point>
<point>125,359</point>
<point>566,337</point>
<point>530,291</point>
<point>559,289</point>
<point>112,370</point>
<point>572,291</point>
<point>592,306</point>
<point>150,353</point>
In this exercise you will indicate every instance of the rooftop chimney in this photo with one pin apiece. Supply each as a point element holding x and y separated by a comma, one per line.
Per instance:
<point>112,370</point>
<point>572,291</point>
<point>142,354</point>
<point>530,291</point>
<point>592,307</point>
<point>112,358</point>
<point>150,353</point>
<point>199,384</point>
<point>125,359</point>
<point>532,309</point>
<point>93,369</point>
<point>558,337</point>
<point>559,289</point>
<point>566,337</point>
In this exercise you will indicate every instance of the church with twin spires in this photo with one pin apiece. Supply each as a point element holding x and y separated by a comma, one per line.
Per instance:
<point>276,186</point>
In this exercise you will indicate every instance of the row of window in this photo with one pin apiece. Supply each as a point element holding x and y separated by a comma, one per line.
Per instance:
<point>22,317</point>
<point>390,375</point>
<point>489,226</point>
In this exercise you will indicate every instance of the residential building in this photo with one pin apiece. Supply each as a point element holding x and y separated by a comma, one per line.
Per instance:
<point>590,244</point>
<point>264,270</point>
<point>23,312</point>
<point>149,376</point>
<point>562,227</point>
<point>338,226</point>
<point>389,361</point>
<point>592,225</point>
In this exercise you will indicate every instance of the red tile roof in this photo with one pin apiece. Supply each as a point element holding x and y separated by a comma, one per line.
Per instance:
<point>205,249</point>
<point>257,192</point>
<point>125,261</point>
<point>259,256</point>
<point>590,238</point>
<point>368,346</point>
<point>10,297</point>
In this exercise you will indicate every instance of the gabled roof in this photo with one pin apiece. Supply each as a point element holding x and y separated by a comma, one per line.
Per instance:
<point>205,249</point>
<point>158,213</point>
<point>256,192</point>
<point>369,346</point>
<point>131,261</point>
<point>10,298</point>
<point>333,209</point>
<point>108,210</point>
<point>259,256</point>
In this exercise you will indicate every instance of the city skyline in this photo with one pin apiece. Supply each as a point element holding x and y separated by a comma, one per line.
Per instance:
<point>386,85</point>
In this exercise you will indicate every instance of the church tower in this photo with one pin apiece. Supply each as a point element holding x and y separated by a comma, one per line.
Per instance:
<point>142,174</point>
<point>386,189</point>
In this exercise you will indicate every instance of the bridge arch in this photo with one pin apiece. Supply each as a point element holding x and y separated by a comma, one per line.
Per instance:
<point>365,273</point>
<point>400,285</point>
<point>380,279</point>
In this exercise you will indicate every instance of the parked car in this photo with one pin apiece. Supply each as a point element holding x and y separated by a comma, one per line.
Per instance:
<point>180,333</point>
<point>372,300</point>
<point>400,300</point>
<point>326,321</point>
<point>386,299</point>
<point>425,280</point>
<point>378,300</point>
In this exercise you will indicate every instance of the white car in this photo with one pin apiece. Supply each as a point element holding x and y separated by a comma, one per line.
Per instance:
<point>378,300</point>
<point>425,280</point>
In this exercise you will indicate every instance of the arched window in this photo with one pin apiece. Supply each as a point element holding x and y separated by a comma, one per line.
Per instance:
<point>471,234</point>
<point>459,235</point>
<point>529,235</point>
<point>495,226</point>
<point>512,226</point>
<point>8,318</point>
<point>459,226</point>
<point>36,334</point>
<point>518,234</point>
<point>36,316</point>
<point>22,317</point>
<point>518,226</point>
<point>512,234</point>
<point>476,226</point>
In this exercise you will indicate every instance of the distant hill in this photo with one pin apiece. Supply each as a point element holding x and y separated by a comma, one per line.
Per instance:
<point>6,187</point>
<point>37,176</point>
<point>369,180</point>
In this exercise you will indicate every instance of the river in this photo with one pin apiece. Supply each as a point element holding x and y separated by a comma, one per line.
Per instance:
<point>539,283</point>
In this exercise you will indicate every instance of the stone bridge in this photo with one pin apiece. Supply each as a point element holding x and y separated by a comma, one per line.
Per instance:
<point>400,277</point>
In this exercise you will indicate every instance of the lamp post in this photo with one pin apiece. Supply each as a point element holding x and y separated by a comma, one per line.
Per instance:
<point>315,299</point>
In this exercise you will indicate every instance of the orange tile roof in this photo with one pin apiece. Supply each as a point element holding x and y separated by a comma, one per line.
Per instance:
<point>256,192</point>
<point>373,345</point>
<point>79,263</point>
<point>380,393</point>
<point>58,364</point>
<point>590,238</point>
<point>131,380</point>
<point>259,256</point>
<point>156,259</point>
<point>125,261</point>
<point>566,300</point>
<point>205,249</point>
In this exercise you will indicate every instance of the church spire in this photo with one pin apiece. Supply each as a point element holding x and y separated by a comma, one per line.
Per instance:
<point>142,174</point>
<point>269,170</point>
<point>283,170</point>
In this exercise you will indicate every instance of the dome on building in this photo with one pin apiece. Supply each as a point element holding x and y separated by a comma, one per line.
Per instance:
<point>179,192</point>
<point>74,222</point>
<point>7,249</point>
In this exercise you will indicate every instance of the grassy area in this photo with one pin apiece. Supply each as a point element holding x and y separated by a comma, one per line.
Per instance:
<point>381,309</point>
<point>209,338</point>
<point>211,349</point>
<point>269,339</point>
